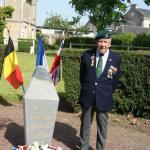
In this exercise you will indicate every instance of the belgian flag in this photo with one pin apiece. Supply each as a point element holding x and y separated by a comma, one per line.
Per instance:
<point>11,70</point>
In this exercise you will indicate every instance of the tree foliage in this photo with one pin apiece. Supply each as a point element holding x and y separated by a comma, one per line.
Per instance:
<point>5,12</point>
<point>55,21</point>
<point>102,13</point>
<point>147,2</point>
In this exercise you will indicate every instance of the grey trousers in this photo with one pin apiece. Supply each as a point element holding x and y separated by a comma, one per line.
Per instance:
<point>86,121</point>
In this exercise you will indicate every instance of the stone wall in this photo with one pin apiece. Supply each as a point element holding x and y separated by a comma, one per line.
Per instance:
<point>23,22</point>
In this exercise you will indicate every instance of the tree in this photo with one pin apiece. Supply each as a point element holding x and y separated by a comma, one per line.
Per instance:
<point>102,13</point>
<point>82,29</point>
<point>147,2</point>
<point>5,12</point>
<point>77,26</point>
<point>57,22</point>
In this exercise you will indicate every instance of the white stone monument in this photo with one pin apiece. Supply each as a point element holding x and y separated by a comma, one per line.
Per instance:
<point>40,108</point>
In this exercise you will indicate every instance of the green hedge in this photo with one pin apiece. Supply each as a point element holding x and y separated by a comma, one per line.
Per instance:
<point>133,93</point>
<point>2,51</point>
<point>1,38</point>
<point>79,40</point>
<point>25,44</point>
<point>142,40</point>
<point>121,40</point>
<point>70,73</point>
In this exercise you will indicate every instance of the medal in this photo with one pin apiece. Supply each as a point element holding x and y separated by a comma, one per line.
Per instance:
<point>92,60</point>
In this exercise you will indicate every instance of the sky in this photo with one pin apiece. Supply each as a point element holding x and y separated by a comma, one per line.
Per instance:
<point>63,8</point>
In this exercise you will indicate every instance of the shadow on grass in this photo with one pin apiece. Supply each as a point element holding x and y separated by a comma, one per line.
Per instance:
<point>4,102</point>
<point>15,134</point>
<point>20,97</point>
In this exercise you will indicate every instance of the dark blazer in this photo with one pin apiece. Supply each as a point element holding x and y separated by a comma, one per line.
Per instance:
<point>98,91</point>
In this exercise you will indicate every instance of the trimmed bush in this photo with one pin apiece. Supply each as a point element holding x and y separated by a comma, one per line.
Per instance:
<point>24,45</point>
<point>1,38</point>
<point>2,51</point>
<point>124,39</point>
<point>79,40</point>
<point>70,63</point>
<point>120,41</point>
<point>142,40</point>
<point>133,93</point>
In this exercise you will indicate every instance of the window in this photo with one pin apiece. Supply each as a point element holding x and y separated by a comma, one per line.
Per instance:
<point>29,1</point>
<point>2,3</point>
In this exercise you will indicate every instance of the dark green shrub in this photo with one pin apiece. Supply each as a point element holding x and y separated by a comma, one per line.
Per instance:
<point>1,38</point>
<point>24,45</point>
<point>142,40</point>
<point>116,39</point>
<point>78,40</point>
<point>56,45</point>
<point>36,46</point>
<point>2,51</point>
<point>70,61</point>
<point>123,39</point>
<point>133,93</point>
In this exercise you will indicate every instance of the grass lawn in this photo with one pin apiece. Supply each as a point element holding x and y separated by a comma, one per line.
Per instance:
<point>27,66</point>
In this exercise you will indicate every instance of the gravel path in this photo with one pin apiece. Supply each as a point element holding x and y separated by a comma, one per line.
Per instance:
<point>121,135</point>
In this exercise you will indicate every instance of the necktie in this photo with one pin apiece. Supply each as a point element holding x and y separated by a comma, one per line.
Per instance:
<point>99,67</point>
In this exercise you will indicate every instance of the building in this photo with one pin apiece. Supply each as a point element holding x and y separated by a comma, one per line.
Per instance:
<point>23,22</point>
<point>50,35</point>
<point>2,3</point>
<point>138,17</point>
<point>137,21</point>
<point>92,29</point>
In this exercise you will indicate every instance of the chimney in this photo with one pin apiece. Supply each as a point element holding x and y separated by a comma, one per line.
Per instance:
<point>134,6</point>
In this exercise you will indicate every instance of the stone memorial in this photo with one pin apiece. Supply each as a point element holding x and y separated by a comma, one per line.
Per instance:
<point>40,108</point>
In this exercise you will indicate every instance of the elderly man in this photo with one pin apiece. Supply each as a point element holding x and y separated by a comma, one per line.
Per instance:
<point>99,73</point>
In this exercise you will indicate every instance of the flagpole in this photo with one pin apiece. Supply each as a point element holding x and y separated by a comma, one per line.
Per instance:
<point>23,88</point>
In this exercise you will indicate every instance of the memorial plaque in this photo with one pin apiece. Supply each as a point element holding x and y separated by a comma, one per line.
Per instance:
<point>40,108</point>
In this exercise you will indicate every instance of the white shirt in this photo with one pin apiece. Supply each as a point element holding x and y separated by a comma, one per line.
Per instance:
<point>104,58</point>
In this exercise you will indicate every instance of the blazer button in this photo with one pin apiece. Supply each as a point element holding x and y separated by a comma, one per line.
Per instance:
<point>96,83</point>
<point>93,92</point>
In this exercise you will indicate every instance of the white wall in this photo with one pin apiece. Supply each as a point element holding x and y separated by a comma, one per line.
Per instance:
<point>146,23</point>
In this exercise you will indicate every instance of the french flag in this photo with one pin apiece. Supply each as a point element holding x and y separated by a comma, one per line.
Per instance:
<point>41,57</point>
